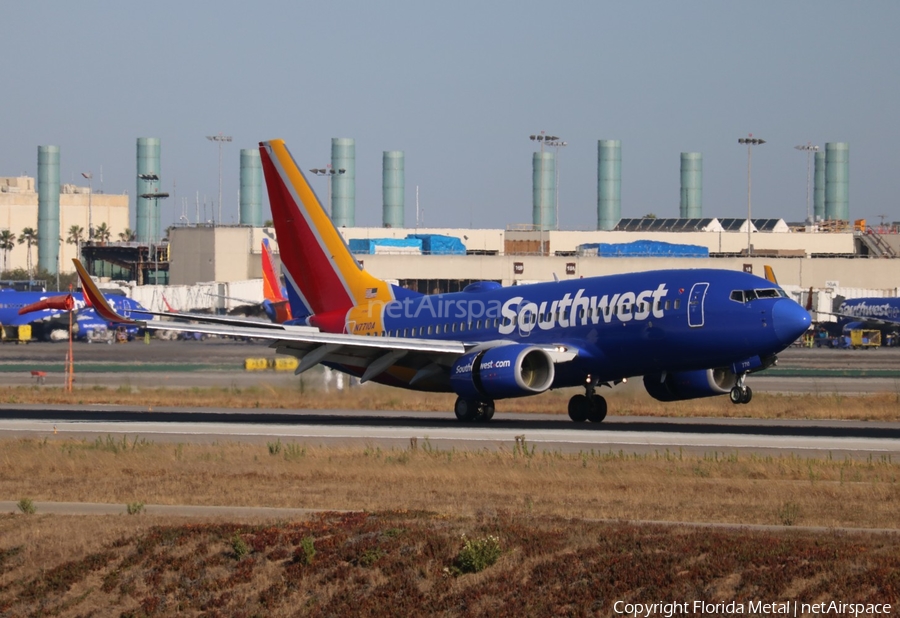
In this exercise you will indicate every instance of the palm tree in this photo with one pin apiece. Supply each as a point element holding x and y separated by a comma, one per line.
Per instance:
<point>76,236</point>
<point>128,235</point>
<point>29,237</point>
<point>102,232</point>
<point>7,242</point>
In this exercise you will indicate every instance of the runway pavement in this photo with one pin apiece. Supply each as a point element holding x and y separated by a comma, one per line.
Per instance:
<point>218,363</point>
<point>442,430</point>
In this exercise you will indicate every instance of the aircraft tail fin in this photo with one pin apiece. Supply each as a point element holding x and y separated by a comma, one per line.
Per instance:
<point>276,305</point>
<point>271,287</point>
<point>317,263</point>
<point>95,298</point>
<point>770,274</point>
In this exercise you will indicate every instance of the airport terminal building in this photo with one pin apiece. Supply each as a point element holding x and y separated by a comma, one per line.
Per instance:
<point>827,252</point>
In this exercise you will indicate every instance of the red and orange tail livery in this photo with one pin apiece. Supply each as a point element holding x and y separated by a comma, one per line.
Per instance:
<point>276,305</point>
<point>317,263</point>
<point>94,298</point>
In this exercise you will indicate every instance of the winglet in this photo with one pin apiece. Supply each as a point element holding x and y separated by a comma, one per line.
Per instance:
<point>93,295</point>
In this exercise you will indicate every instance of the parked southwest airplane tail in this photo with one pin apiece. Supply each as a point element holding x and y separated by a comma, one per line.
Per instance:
<point>275,303</point>
<point>689,333</point>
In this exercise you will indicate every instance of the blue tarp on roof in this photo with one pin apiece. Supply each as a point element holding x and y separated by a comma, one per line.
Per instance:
<point>370,246</point>
<point>643,248</point>
<point>435,244</point>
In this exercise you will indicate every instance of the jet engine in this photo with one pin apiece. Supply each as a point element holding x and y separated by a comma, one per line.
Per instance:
<point>501,372</point>
<point>681,385</point>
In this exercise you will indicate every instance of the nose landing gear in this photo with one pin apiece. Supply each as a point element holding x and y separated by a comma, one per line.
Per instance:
<point>740,393</point>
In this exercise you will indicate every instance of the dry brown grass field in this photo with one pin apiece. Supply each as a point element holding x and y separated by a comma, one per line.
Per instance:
<point>401,563</point>
<point>624,400</point>
<point>666,486</point>
<point>397,550</point>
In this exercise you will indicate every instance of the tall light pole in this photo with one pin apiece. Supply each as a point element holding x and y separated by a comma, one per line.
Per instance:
<point>809,148</point>
<point>542,138</point>
<point>90,177</point>
<point>155,196</point>
<point>330,172</point>
<point>219,138</point>
<point>750,141</point>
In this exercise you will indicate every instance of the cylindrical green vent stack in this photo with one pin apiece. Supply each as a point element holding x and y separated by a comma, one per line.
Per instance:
<point>48,209</point>
<point>392,188</point>
<point>837,181</point>
<point>543,184</point>
<point>251,187</point>
<point>609,183</point>
<point>148,181</point>
<point>819,187</point>
<point>343,183</point>
<point>691,185</point>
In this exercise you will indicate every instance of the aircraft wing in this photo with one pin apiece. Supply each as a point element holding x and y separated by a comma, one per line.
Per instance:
<point>206,318</point>
<point>427,360</point>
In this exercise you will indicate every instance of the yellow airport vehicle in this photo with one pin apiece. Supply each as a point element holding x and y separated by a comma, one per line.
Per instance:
<point>861,338</point>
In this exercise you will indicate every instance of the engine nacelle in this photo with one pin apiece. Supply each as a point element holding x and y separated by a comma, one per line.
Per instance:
<point>682,385</point>
<point>501,372</point>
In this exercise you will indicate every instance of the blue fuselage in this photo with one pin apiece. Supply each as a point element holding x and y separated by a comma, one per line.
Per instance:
<point>858,312</point>
<point>619,325</point>
<point>86,318</point>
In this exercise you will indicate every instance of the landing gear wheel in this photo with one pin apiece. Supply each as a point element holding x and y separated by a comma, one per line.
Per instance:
<point>597,410</point>
<point>579,408</point>
<point>487,411</point>
<point>466,410</point>
<point>741,394</point>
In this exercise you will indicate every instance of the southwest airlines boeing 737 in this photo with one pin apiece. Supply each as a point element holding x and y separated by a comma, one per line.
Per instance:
<point>689,333</point>
<point>46,320</point>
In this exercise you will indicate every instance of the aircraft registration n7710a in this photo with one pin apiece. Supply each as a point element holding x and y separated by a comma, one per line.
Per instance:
<point>690,333</point>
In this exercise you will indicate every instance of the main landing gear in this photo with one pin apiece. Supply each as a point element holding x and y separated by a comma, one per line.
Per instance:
<point>588,407</point>
<point>468,410</point>
<point>740,393</point>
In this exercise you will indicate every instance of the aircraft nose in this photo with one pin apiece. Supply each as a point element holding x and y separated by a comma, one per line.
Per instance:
<point>789,320</point>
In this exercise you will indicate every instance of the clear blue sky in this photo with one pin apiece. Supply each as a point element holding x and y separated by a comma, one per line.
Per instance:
<point>459,86</point>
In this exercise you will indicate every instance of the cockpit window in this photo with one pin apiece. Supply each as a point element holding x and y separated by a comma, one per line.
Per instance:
<point>745,296</point>
<point>769,293</point>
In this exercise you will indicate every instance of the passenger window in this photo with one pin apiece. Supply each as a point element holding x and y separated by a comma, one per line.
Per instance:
<point>667,305</point>
<point>462,327</point>
<point>453,327</point>
<point>677,303</point>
